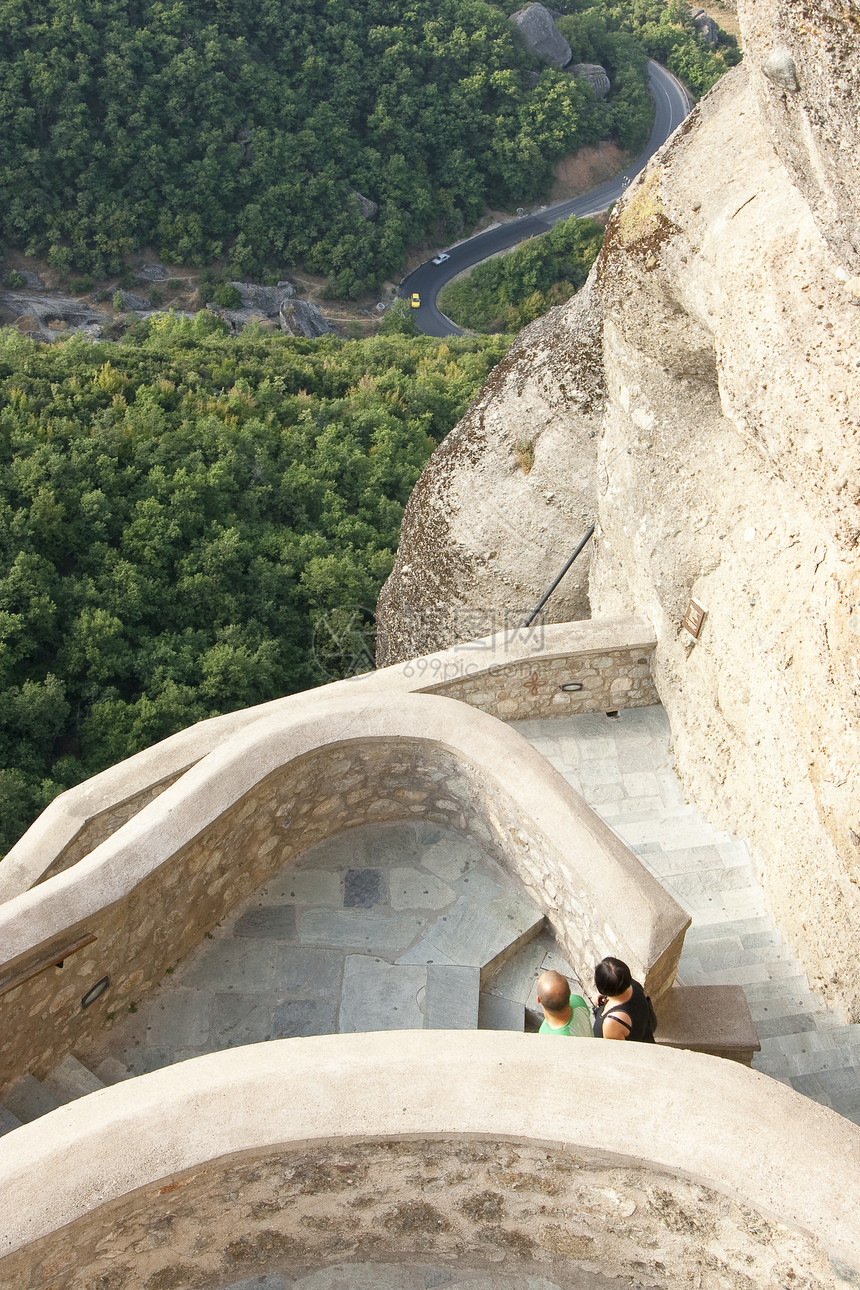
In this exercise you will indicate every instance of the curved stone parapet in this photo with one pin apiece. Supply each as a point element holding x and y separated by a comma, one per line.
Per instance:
<point>512,674</point>
<point>143,898</point>
<point>477,1148</point>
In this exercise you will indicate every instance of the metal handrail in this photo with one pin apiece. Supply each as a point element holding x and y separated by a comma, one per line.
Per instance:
<point>534,613</point>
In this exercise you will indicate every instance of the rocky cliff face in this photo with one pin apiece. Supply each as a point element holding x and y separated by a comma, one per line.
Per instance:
<point>726,463</point>
<point>728,470</point>
<point>506,497</point>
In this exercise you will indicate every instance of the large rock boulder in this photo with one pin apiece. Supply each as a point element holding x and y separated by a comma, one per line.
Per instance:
<point>300,318</point>
<point>152,273</point>
<point>369,208</point>
<point>537,30</point>
<point>293,316</point>
<point>505,498</point>
<point>131,301</point>
<point>728,460</point>
<point>264,300</point>
<point>596,76</point>
<point>705,26</point>
<point>728,469</point>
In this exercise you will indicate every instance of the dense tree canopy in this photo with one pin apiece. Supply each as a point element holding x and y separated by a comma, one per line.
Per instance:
<point>243,126</point>
<point>612,31</point>
<point>176,512</point>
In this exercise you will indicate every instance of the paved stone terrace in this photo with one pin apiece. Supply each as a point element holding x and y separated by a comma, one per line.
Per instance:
<point>361,934</point>
<point>623,767</point>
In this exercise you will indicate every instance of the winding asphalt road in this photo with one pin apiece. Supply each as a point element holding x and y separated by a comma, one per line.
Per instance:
<point>672,104</point>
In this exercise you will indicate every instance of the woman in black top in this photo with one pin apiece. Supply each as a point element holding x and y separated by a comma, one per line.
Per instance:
<point>622,1010</point>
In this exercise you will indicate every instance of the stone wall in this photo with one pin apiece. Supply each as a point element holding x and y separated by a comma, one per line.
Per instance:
<point>505,1207</point>
<point>609,681</point>
<point>302,1153</point>
<point>511,675</point>
<point>149,894</point>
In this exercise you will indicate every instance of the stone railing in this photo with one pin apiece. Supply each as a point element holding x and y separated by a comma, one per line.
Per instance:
<point>484,1149</point>
<point>143,898</point>
<point>512,675</point>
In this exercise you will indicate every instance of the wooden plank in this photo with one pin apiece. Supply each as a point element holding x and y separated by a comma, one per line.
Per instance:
<point>53,958</point>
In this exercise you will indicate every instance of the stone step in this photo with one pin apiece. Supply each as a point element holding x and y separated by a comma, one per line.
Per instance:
<point>451,997</point>
<point>112,1071</point>
<point>28,1099</point>
<point>496,1013</point>
<point>71,1080</point>
<point>8,1121</point>
<point>485,936</point>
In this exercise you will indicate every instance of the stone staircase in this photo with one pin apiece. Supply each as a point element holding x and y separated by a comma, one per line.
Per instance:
<point>30,1098</point>
<point>479,941</point>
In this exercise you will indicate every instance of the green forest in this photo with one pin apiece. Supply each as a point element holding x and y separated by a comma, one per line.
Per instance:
<point>509,291</point>
<point>178,510</point>
<point>240,130</point>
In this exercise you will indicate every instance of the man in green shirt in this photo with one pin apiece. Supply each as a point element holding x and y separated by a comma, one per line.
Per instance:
<point>564,1013</point>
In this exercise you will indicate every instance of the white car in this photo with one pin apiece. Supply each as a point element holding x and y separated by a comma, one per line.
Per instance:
<point>441,257</point>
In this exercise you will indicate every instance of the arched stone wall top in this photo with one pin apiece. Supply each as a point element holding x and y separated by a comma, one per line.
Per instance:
<point>686,1116</point>
<point>474,671</point>
<point>531,805</point>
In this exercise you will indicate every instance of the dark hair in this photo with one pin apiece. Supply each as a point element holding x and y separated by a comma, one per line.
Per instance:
<point>611,976</point>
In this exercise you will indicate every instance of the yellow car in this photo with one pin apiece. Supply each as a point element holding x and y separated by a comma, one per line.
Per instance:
<point>415,300</point>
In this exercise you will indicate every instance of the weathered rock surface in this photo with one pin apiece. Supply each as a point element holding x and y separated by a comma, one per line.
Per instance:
<point>537,30</point>
<point>132,301</point>
<point>300,318</point>
<point>728,471</point>
<point>295,317</point>
<point>705,26</point>
<point>264,300</point>
<point>152,273</point>
<point>48,317</point>
<point>727,467</point>
<point>369,209</point>
<point>596,76</point>
<point>505,498</point>
<point>815,126</point>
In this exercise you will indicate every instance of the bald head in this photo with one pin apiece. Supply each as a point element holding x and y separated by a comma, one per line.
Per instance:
<point>553,991</point>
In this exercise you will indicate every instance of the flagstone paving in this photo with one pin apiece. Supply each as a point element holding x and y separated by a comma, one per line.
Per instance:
<point>383,928</point>
<point>622,766</point>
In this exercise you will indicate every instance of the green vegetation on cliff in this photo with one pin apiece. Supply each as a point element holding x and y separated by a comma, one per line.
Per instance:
<point>506,293</point>
<point>175,514</point>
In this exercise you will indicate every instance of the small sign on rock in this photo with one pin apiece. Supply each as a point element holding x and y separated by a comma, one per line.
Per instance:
<point>693,618</point>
